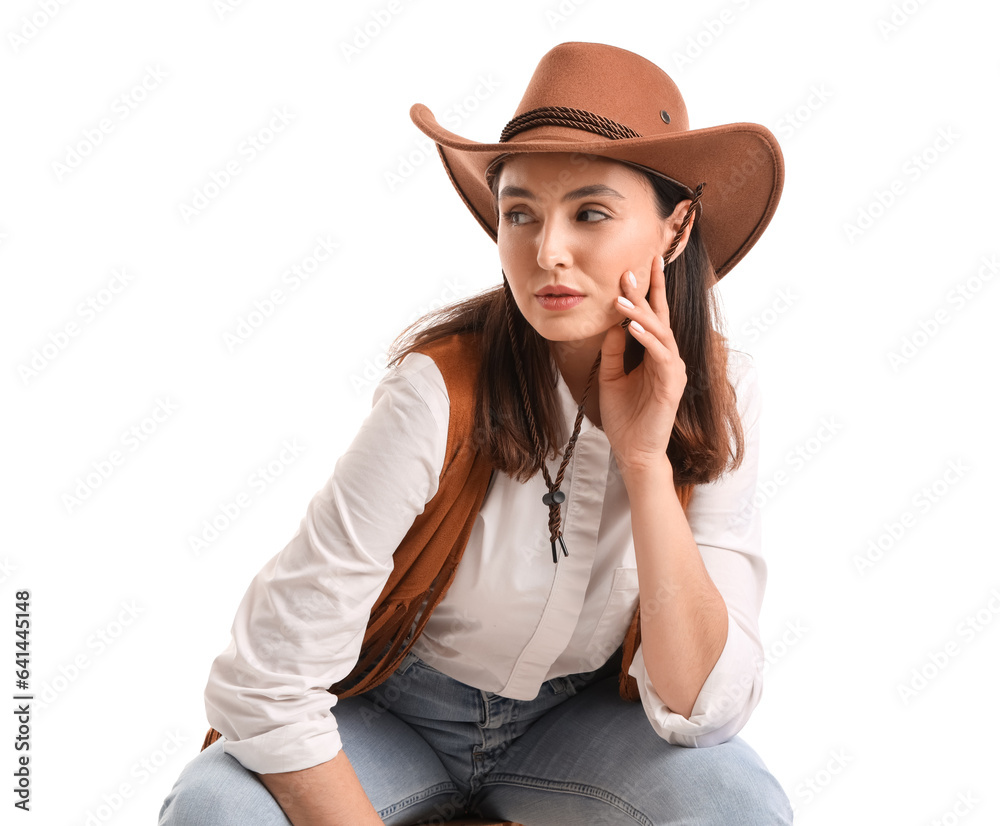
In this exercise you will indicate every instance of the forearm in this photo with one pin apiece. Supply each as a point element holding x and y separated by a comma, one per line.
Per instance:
<point>328,794</point>
<point>684,617</point>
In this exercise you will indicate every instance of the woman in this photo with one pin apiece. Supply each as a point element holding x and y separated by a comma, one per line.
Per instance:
<point>585,413</point>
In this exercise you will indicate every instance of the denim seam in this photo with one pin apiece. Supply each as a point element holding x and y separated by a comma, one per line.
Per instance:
<point>582,789</point>
<point>416,797</point>
<point>476,775</point>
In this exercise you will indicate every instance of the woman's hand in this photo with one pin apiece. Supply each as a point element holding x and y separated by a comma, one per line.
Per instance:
<point>638,409</point>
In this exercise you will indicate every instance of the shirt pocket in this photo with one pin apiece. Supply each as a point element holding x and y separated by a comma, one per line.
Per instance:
<point>618,611</point>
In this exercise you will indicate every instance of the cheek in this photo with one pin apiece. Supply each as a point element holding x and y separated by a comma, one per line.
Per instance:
<point>510,263</point>
<point>626,248</point>
<point>509,251</point>
<point>613,267</point>
<point>639,251</point>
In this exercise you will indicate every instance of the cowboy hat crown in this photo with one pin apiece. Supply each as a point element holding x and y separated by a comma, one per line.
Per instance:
<point>601,100</point>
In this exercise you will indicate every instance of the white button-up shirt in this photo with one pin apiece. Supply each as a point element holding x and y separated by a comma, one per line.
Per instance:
<point>511,619</point>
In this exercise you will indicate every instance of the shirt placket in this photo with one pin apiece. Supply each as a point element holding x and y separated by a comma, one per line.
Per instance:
<point>584,485</point>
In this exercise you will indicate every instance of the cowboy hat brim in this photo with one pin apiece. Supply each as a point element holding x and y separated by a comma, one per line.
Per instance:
<point>740,163</point>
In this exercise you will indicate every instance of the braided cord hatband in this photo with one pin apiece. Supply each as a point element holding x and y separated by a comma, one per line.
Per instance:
<point>567,116</point>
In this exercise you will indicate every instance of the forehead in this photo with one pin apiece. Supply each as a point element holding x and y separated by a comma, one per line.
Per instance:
<point>555,172</point>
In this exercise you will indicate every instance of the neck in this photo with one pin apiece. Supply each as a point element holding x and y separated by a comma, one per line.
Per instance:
<point>574,360</point>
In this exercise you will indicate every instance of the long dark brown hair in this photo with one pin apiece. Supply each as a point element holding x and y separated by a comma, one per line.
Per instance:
<point>707,438</point>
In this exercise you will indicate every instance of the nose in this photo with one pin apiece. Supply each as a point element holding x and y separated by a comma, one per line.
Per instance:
<point>554,246</point>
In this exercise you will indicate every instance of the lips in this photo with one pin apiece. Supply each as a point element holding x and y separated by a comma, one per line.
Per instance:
<point>554,301</point>
<point>557,291</point>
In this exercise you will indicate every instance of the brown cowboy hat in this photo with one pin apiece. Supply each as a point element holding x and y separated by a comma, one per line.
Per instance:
<point>601,100</point>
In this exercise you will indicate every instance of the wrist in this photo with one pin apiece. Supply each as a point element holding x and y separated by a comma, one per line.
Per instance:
<point>639,471</point>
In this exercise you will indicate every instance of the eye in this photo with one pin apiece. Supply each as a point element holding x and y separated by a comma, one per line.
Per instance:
<point>602,216</point>
<point>515,217</point>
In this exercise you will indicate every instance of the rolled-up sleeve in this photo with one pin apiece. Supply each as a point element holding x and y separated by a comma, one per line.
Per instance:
<point>300,624</point>
<point>726,525</point>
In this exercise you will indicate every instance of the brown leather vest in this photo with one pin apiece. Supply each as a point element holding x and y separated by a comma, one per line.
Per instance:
<point>424,563</point>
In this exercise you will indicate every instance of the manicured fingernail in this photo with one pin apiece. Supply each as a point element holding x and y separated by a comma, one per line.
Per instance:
<point>631,279</point>
<point>635,325</point>
<point>662,263</point>
<point>625,302</point>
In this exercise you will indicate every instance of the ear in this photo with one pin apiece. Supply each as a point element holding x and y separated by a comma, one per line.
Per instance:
<point>672,226</point>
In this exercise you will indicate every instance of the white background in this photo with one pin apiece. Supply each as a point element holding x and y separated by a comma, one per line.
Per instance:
<point>126,617</point>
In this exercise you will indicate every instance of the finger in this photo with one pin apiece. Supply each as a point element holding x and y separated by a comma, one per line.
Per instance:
<point>647,339</point>
<point>613,354</point>
<point>648,330</point>
<point>634,306</point>
<point>659,361</point>
<point>636,315</point>
<point>634,298</point>
<point>658,290</point>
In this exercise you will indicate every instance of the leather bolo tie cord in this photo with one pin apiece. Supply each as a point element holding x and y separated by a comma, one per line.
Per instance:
<point>555,497</point>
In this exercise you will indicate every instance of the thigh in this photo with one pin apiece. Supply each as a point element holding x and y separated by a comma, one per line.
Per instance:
<point>402,775</point>
<point>595,759</point>
<point>399,772</point>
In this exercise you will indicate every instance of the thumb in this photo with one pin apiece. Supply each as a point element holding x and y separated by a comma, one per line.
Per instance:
<point>613,354</point>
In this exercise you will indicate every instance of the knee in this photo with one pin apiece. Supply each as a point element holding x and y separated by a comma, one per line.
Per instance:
<point>735,786</point>
<point>214,789</point>
<point>722,784</point>
<point>757,800</point>
<point>189,803</point>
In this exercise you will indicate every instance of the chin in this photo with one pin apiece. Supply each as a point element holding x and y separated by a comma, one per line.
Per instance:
<point>567,331</point>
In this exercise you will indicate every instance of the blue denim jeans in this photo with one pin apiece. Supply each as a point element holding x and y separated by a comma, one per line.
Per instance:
<point>428,748</point>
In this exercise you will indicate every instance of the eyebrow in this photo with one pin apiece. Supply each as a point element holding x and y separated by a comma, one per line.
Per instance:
<point>572,195</point>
